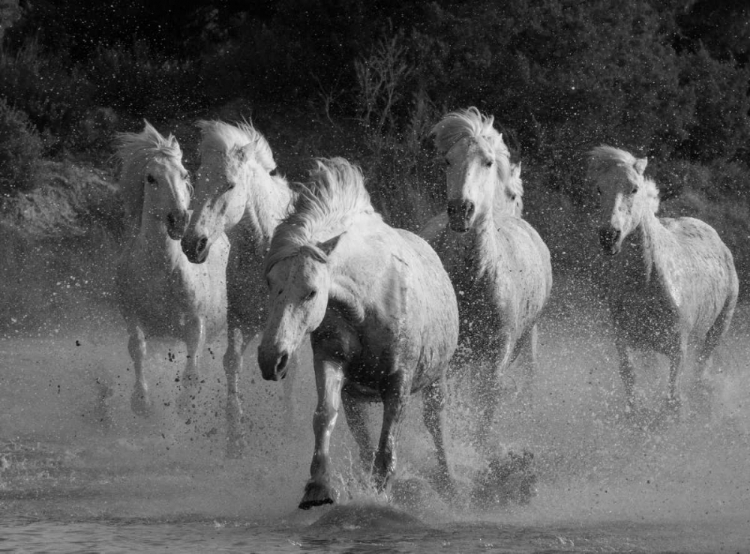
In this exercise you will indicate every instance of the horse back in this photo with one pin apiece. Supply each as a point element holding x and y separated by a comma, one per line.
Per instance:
<point>409,317</point>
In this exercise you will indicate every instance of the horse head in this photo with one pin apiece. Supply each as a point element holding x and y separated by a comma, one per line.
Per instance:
<point>299,286</point>
<point>624,194</point>
<point>167,194</point>
<point>155,183</point>
<point>234,159</point>
<point>477,165</point>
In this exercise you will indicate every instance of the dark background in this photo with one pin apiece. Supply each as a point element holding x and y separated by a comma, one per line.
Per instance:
<point>666,79</point>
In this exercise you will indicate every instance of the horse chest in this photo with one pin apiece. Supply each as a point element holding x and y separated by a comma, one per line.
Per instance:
<point>641,309</point>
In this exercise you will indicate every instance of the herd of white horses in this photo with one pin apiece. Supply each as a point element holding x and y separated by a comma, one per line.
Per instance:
<point>385,309</point>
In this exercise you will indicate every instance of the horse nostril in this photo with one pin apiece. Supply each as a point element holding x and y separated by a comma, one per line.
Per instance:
<point>171,219</point>
<point>608,236</point>
<point>468,208</point>
<point>200,245</point>
<point>281,363</point>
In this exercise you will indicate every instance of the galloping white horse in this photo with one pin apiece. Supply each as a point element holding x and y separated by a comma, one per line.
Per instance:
<point>160,293</point>
<point>381,311</point>
<point>668,279</point>
<point>237,193</point>
<point>498,263</point>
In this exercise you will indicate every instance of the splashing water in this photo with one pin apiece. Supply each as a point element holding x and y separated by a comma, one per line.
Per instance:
<point>79,471</point>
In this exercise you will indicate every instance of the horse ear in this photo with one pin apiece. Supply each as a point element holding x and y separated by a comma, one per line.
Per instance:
<point>640,165</point>
<point>329,245</point>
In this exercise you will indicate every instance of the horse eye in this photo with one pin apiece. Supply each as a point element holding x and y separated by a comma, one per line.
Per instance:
<point>447,161</point>
<point>635,189</point>
<point>488,163</point>
<point>150,179</point>
<point>311,295</point>
<point>274,172</point>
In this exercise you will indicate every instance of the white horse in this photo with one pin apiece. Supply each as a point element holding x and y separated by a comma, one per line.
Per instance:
<point>238,193</point>
<point>381,312</point>
<point>160,293</point>
<point>668,280</point>
<point>498,263</point>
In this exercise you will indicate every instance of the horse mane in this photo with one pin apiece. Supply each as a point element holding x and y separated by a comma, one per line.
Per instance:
<point>606,158</point>
<point>327,205</point>
<point>225,138</point>
<point>134,151</point>
<point>472,124</point>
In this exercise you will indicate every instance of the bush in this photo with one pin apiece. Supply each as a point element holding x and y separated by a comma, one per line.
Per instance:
<point>38,83</point>
<point>20,151</point>
<point>144,83</point>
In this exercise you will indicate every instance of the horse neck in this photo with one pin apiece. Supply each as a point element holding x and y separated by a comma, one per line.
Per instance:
<point>263,212</point>
<point>153,239</point>
<point>486,249</point>
<point>636,261</point>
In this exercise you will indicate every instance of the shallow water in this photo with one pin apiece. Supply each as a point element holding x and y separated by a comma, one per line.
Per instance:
<point>79,472</point>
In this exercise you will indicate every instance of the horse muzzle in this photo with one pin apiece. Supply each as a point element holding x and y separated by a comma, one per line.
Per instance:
<point>273,365</point>
<point>177,223</point>
<point>195,248</point>
<point>609,238</point>
<point>460,213</point>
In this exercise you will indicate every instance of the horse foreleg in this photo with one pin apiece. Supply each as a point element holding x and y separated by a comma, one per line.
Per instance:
<point>395,397</point>
<point>529,362</point>
<point>140,402</point>
<point>356,417</point>
<point>236,344</point>
<point>627,375</point>
<point>195,338</point>
<point>329,379</point>
<point>433,406</point>
<point>290,412</point>
<point>490,393</point>
<point>676,362</point>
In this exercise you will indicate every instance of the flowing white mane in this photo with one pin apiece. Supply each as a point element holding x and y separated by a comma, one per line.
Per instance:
<point>135,151</point>
<point>603,159</point>
<point>326,206</point>
<point>218,136</point>
<point>472,124</point>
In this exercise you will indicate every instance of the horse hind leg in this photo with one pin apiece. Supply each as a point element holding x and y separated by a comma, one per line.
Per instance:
<point>434,420</point>
<point>676,367</point>
<point>358,421</point>
<point>700,391</point>
<point>140,401</point>
<point>529,363</point>
<point>395,397</point>
<point>237,341</point>
<point>627,375</point>
<point>190,382</point>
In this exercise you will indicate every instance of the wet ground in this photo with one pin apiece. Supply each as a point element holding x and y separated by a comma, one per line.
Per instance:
<point>80,472</point>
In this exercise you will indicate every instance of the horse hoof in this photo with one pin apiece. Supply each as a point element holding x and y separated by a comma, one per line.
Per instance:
<point>141,404</point>
<point>317,494</point>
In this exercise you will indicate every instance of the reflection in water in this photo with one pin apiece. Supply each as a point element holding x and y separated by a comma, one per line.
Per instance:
<point>79,471</point>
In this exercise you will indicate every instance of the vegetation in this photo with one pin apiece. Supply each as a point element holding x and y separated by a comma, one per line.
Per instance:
<point>666,79</point>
